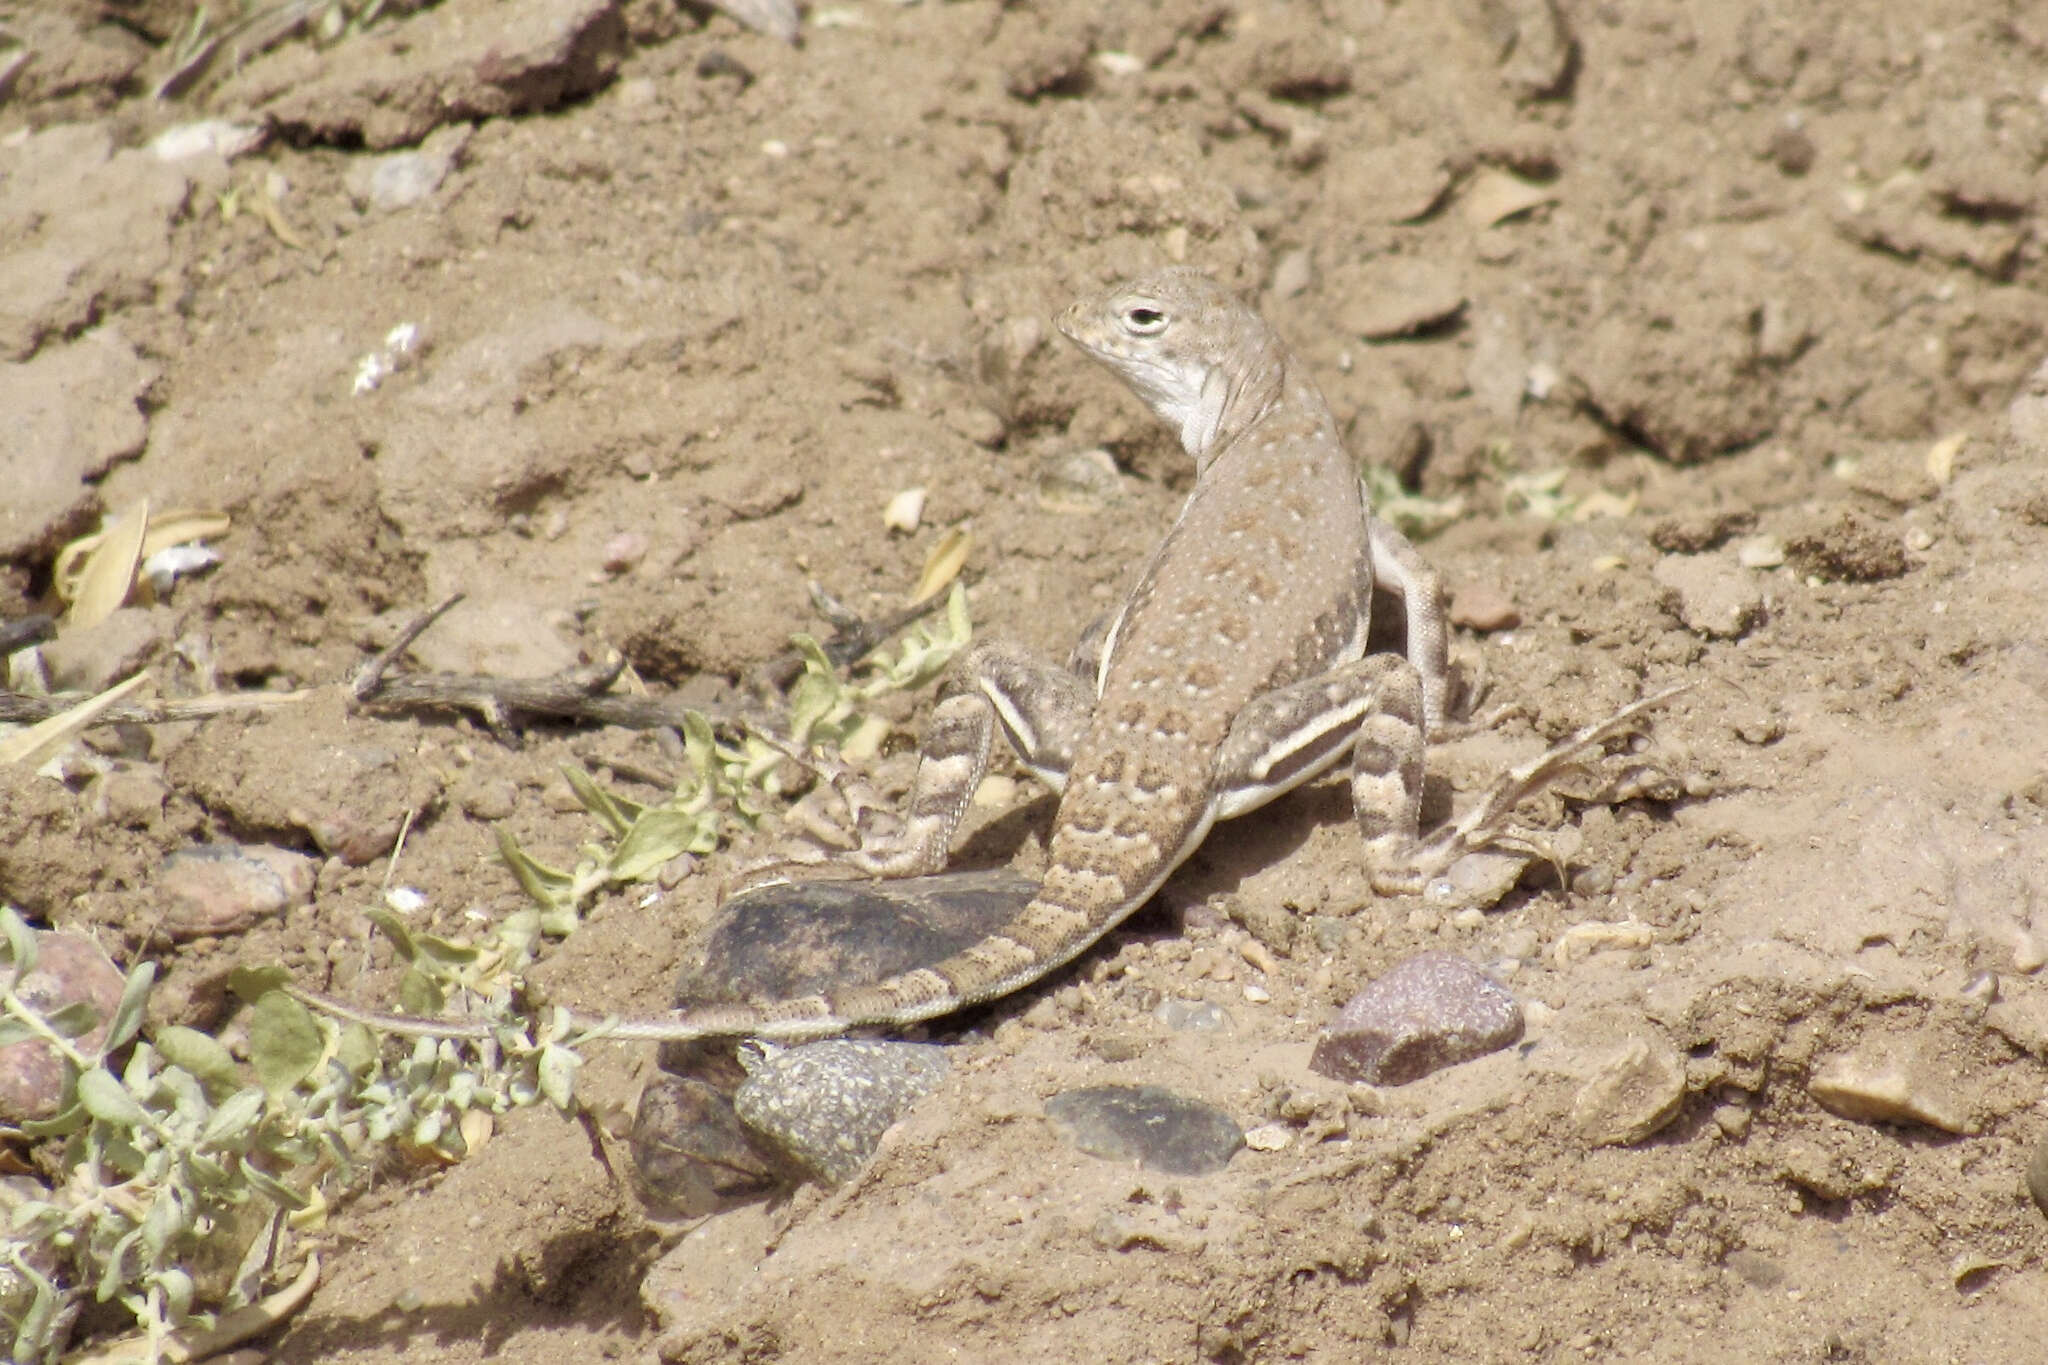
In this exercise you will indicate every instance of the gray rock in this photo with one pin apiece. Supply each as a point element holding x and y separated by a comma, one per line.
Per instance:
<point>1431,1011</point>
<point>1194,1016</point>
<point>692,1149</point>
<point>399,181</point>
<point>1146,1124</point>
<point>826,1104</point>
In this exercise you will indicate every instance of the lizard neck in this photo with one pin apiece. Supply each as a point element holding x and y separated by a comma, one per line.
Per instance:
<point>1237,396</point>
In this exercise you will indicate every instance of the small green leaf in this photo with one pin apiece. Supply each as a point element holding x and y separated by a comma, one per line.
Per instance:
<point>127,1017</point>
<point>658,835</point>
<point>549,887</point>
<point>74,1020</point>
<point>357,1049</point>
<point>199,1053</point>
<point>394,929</point>
<point>419,994</point>
<point>446,951</point>
<point>177,1290</point>
<point>251,984</point>
<point>273,1189</point>
<point>65,1122</point>
<point>14,1031</point>
<point>21,941</point>
<point>284,1042</point>
<point>558,1066</point>
<point>107,1100</point>
<point>610,811</point>
<point>231,1123</point>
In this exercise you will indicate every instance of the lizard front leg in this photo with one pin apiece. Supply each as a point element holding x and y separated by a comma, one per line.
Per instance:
<point>1040,709</point>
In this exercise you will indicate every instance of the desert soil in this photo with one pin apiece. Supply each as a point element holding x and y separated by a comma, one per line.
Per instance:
<point>1723,325</point>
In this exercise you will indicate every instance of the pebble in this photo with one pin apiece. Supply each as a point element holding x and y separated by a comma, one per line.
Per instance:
<point>1194,1016</point>
<point>69,967</point>
<point>1886,1091</point>
<point>2037,1176</point>
<point>1483,607</point>
<point>1146,1124</point>
<point>95,657</point>
<point>690,1151</point>
<point>1430,1011</point>
<point>1634,1094</point>
<point>226,888</point>
<point>827,1104</point>
<point>1270,1137</point>
<point>624,551</point>
<point>1080,483</point>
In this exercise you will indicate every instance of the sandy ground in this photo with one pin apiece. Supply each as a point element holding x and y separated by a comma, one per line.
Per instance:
<point>1716,320</point>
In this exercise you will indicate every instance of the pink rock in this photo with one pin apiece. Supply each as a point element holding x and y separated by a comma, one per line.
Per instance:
<point>1430,1011</point>
<point>69,967</point>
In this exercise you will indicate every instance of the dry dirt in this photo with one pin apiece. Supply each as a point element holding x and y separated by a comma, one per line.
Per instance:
<point>681,281</point>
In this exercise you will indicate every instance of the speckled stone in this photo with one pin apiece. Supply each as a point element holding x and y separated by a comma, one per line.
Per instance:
<point>827,1104</point>
<point>1431,1011</point>
<point>1147,1124</point>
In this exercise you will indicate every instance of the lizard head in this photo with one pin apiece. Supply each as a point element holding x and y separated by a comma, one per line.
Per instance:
<point>1197,356</point>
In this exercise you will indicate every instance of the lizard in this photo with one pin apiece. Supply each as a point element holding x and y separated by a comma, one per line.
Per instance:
<point>1234,671</point>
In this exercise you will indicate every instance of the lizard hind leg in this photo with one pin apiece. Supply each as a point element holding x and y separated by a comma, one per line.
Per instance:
<point>1488,825</point>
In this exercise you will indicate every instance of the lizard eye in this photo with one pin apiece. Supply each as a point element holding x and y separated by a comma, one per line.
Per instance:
<point>1143,321</point>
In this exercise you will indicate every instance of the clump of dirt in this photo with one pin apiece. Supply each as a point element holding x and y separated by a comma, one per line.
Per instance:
<point>1753,292</point>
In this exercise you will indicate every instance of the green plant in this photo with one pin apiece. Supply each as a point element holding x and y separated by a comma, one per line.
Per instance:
<point>178,1172</point>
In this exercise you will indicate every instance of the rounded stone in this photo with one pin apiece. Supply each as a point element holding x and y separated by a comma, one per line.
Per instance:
<point>1430,1011</point>
<point>69,968</point>
<point>826,1104</point>
<point>1146,1124</point>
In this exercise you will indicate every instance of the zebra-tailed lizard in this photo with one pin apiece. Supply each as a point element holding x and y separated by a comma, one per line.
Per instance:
<point>1235,671</point>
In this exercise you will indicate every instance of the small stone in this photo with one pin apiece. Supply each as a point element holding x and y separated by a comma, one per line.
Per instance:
<point>1194,1016</point>
<point>1886,1091</point>
<point>1760,552</point>
<point>2037,1176</point>
<point>1431,1011</point>
<point>225,888</point>
<point>1714,598</point>
<point>1293,273</point>
<point>130,795</point>
<point>1633,1095</point>
<point>1483,607</point>
<point>69,967</point>
<point>1081,483</point>
<point>691,1153</point>
<point>1792,150</point>
<point>1270,1137</point>
<point>1146,1124</point>
<point>827,1104</point>
<point>624,552</point>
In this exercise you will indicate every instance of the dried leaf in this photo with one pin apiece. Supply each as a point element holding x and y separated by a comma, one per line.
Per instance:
<point>1495,196</point>
<point>109,572</point>
<point>943,564</point>
<point>35,745</point>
